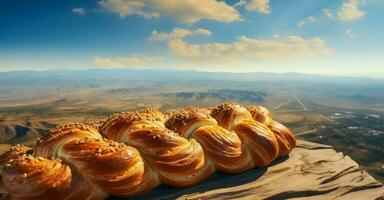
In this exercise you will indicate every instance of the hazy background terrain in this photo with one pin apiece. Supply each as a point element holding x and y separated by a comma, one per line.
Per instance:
<point>345,112</point>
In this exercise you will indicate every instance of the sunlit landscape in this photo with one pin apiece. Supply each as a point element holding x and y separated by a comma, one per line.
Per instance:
<point>316,65</point>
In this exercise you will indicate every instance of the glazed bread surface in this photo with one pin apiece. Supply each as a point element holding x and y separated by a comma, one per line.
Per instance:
<point>130,153</point>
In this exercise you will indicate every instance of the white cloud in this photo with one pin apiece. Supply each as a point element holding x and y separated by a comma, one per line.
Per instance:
<point>240,3</point>
<point>308,20</point>
<point>133,61</point>
<point>185,11</point>
<point>127,7</point>
<point>79,11</point>
<point>349,10</point>
<point>178,33</point>
<point>350,33</point>
<point>261,6</point>
<point>328,13</point>
<point>246,49</point>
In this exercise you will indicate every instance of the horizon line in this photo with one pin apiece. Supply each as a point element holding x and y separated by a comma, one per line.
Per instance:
<point>195,70</point>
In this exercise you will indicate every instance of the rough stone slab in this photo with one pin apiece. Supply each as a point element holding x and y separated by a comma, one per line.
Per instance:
<point>312,171</point>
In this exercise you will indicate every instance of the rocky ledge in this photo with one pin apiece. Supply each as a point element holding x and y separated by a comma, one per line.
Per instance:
<point>312,171</point>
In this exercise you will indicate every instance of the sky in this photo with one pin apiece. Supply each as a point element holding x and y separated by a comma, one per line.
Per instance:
<point>335,37</point>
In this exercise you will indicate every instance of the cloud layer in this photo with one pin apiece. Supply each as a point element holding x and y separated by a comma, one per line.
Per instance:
<point>178,33</point>
<point>308,20</point>
<point>349,10</point>
<point>350,33</point>
<point>181,45</point>
<point>79,10</point>
<point>133,61</point>
<point>243,49</point>
<point>261,6</point>
<point>185,11</point>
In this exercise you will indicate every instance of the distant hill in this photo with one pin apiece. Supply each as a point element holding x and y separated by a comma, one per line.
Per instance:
<point>221,95</point>
<point>21,131</point>
<point>95,78</point>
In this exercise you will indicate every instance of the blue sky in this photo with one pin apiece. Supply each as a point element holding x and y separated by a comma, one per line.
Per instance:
<point>337,37</point>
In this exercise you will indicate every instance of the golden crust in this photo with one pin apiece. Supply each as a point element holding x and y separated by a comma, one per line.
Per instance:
<point>114,167</point>
<point>9,157</point>
<point>221,146</point>
<point>259,140</point>
<point>128,121</point>
<point>13,153</point>
<point>177,161</point>
<point>180,149</point>
<point>260,113</point>
<point>49,145</point>
<point>285,138</point>
<point>186,121</point>
<point>256,137</point>
<point>30,177</point>
<point>224,148</point>
<point>33,177</point>
<point>229,114</point>
<point>150,114</point>
<point>284,135</point>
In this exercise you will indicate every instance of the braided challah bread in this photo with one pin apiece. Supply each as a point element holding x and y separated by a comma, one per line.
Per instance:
<point>27,177</point>
<point>285,137</point>
<point>258,139</point>
<point>131,153</point>
<point>113,167</point>
<point>176,160</point>
<point>221,146</point>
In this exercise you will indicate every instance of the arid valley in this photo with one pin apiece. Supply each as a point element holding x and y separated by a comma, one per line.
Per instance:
<point>346,113</point>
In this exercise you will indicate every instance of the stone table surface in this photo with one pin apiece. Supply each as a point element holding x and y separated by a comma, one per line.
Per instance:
<point>312,171</point>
